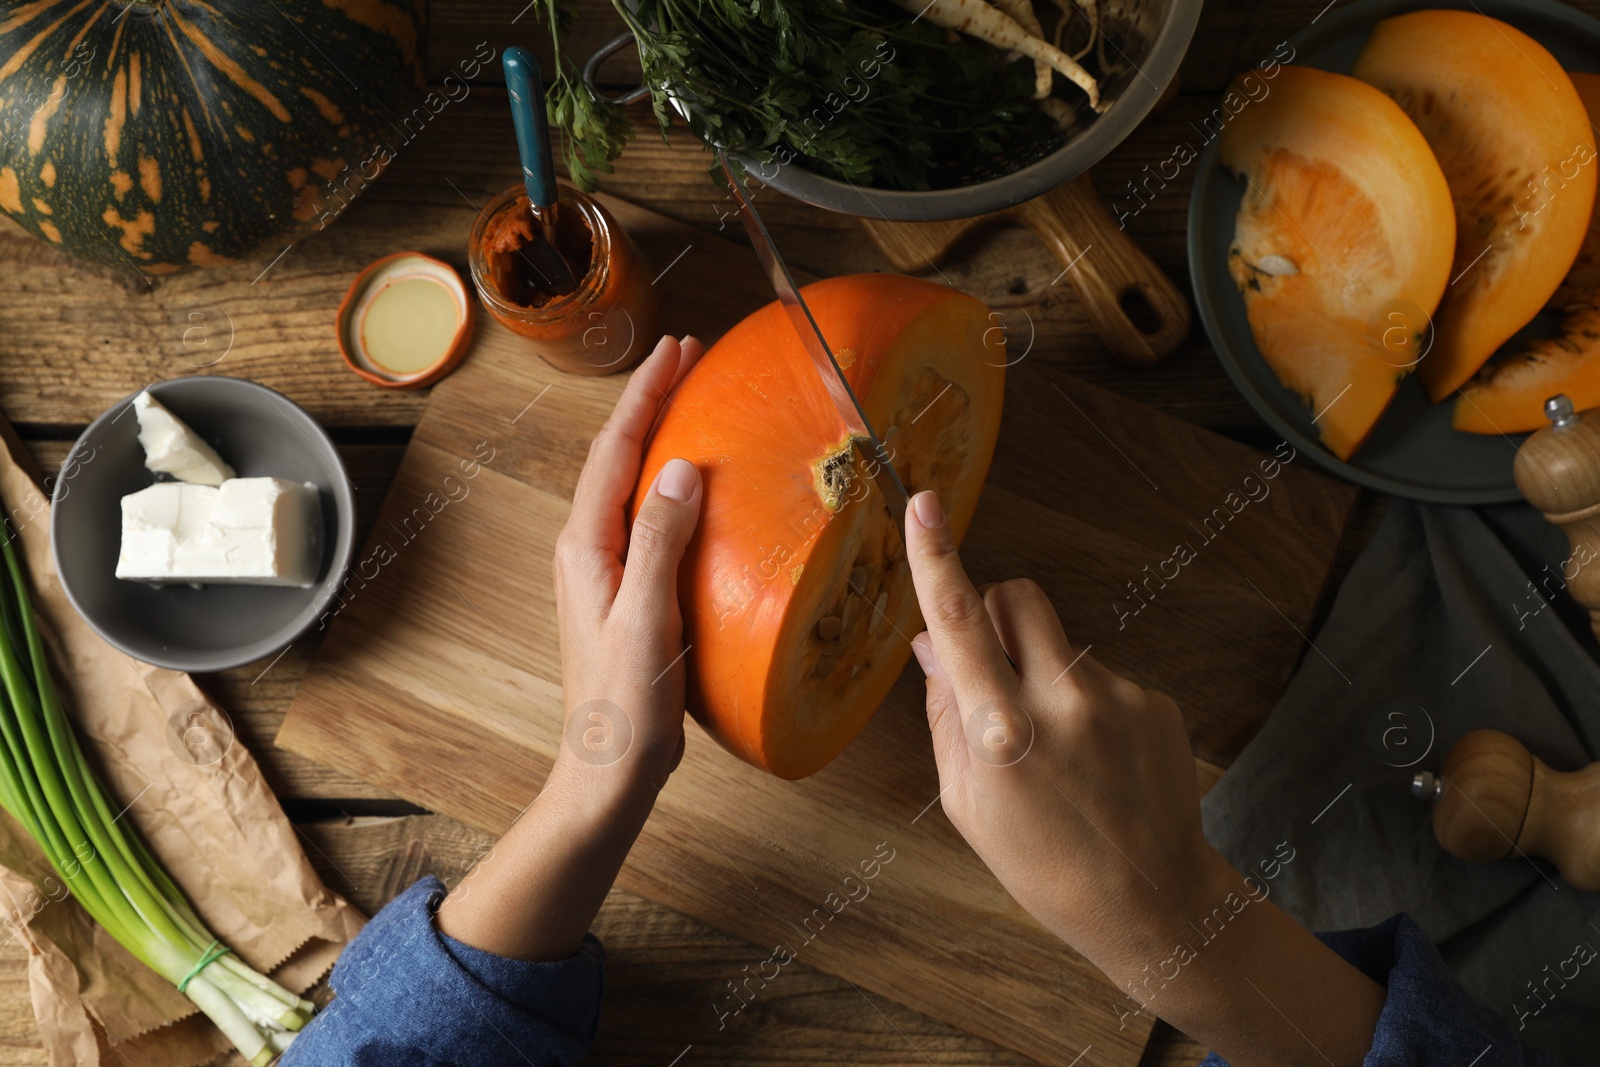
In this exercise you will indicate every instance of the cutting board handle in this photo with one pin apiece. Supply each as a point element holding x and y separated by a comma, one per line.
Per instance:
<point>1110,272</point>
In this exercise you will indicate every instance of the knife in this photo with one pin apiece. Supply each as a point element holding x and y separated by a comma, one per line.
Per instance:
<point>867,444</point>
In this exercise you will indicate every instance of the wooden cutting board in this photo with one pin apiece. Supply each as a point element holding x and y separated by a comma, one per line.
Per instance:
<point>440,677</point>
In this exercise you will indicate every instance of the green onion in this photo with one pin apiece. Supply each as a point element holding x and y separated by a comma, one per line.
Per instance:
<point>49,786</point>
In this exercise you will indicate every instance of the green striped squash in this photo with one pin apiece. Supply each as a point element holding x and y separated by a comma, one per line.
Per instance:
<point>166,134</point>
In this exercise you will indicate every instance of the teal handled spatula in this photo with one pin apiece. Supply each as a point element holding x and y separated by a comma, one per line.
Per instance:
<point>548,269</point>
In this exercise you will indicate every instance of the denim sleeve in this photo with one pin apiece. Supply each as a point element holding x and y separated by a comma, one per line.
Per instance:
<point>408,996</point>
<point>1428,1020</point>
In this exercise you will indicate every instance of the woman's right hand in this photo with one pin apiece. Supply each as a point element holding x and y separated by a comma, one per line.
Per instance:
<point>1074,785</point>
<point>1077,788</point>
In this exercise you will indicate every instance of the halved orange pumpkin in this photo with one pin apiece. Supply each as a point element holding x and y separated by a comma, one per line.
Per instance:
<point>1507,394</point>
<point>1342,243</point>
<point>1512,136</point>
<point>797,602</point>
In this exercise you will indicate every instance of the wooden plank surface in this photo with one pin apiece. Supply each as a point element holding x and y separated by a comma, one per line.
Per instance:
<point>663,970</point>
<point>100,334</point>
<point>73,339</point>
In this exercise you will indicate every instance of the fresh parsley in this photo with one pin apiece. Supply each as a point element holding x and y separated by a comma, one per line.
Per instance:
<point>859,92</point>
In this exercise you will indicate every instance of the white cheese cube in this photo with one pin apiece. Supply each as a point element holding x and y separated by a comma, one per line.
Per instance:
<point>259,531</point>
<point>171,447</point>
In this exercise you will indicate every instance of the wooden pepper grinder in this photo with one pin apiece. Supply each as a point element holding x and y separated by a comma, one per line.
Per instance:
<point>1494,798</point>
<point>1558,471</point>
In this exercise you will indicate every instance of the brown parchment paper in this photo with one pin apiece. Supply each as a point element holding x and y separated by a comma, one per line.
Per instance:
<point>197,797</point>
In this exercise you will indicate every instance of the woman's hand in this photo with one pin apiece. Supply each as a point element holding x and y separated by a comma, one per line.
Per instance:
<point>1077,788</point>
<point>537,892</point>
<point>622,657</point>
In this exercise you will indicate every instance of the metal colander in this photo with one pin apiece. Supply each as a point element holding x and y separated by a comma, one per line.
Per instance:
<point>1143,43</point>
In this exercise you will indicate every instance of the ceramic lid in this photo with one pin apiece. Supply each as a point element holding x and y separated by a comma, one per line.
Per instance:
<point>405,322</point>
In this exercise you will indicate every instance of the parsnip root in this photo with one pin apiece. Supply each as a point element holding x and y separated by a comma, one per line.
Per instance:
<point>987,23</point>
<point>1070,10</point>
<point>1021,11</point>
<point>1058,110</point>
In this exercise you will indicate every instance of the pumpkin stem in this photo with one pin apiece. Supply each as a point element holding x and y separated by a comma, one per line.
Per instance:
<point>835,472</point>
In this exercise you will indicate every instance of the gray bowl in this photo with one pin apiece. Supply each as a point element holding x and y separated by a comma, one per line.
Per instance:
<point>259,432</point>
<point>1154,39</point>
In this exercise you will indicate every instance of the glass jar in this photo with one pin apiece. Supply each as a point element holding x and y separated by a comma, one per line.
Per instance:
<point>608,323</point>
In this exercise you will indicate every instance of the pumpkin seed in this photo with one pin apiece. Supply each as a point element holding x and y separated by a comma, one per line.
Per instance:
<point>852,613</point>
<point>829,627</point>
<point>880,615</point>
<point>858,580</point>
<point>1277,266</point>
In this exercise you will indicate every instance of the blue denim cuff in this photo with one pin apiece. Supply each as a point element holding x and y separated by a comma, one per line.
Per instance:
<point>407,994</point>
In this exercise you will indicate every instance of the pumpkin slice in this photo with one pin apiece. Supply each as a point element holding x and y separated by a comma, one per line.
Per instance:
<point>1342,244</point>
<point>1508,394</point>
<point>1585,272</point>
<point>1512,136</point>
<point>797,602</point>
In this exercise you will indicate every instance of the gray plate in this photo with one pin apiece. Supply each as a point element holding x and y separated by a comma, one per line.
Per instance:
<point>260,433</point>
<point>1413,451</point>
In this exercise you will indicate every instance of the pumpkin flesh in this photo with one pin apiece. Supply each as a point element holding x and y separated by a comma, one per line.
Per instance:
<point>797,601</point>
<point>1585,272</point>
<point>1507,394</point>
<point>1342,243</point>
<point>1514,141</point>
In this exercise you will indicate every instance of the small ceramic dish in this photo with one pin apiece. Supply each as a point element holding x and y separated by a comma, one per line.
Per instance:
<point>259,432</point>
<point>405,322</point>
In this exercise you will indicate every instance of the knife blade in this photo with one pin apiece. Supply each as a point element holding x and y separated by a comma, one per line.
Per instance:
<point>867,443</point>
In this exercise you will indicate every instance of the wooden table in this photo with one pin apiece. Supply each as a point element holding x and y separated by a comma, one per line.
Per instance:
<point>73,339</point>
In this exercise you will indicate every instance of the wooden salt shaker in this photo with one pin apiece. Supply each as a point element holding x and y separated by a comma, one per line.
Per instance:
<point>1558,471</point>
<point>1495,799</point>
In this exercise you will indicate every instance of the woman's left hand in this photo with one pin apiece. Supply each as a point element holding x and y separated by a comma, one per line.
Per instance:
<point>623,675</point>
<point>622,654</point>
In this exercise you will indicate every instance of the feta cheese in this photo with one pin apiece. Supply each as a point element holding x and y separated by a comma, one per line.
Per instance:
<point>258,531</point>
<point>170,447</point>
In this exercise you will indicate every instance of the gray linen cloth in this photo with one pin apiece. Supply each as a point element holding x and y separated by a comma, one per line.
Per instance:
<point>1452,619</point>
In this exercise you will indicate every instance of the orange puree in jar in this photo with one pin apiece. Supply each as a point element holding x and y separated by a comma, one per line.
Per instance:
<point>613,317</point>
<point>515,276</point>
